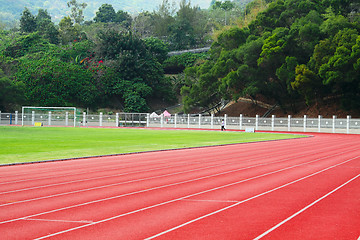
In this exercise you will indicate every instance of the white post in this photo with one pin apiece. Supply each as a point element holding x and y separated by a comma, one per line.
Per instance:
<point>162,120</point>
<point>199,120</point>
<point>16,117</point>
<point>22,117</point>
<point>272,122</point>
<point>305,117</point>
<point>66,118</point>
<point>49,119</point>
<point>289,123</point>
<point>319,123</point>
<point>188,123</point>
<point>84,119</point>
<point>348,124</point>
<point>175,119</point>
<point>241,121</point>
<point>257,122</point>
<point>333,123</point>
<point>212,121</point>
<point>117,120</point>
<point>33,118</point>
<point>101,119</point>
<point>225,121</point>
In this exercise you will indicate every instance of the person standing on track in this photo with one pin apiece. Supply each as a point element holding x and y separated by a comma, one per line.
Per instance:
<point>223,125</point>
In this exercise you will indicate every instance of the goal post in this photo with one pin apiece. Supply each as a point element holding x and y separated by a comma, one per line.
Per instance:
<point>48,116</point>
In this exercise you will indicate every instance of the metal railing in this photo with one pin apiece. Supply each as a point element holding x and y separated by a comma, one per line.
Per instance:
<point>188,121</point>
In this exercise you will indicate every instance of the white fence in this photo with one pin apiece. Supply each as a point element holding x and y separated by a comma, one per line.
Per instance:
<point>304,124</point>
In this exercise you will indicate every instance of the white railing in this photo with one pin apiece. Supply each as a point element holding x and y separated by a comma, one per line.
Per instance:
<point>188,121</point>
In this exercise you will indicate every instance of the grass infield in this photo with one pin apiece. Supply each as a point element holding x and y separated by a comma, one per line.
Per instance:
<point>29,144</point>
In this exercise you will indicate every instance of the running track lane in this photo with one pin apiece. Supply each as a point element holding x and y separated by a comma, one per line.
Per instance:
<point>245,191</point>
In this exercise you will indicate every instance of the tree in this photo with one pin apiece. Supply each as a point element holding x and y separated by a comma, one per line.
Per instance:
<point>226,6</point>
<point>182,32</point>
<point>52,82</point>
<point>106,13</point>
<point>46,27</point>
<point>68,32</point>
<point>143,25</point>
<point>132,72</point>
<point>158,48</point>
<point>27,21</point>
<point>232,38</point>
<point>76,11</point>
<point>123,18</point>
<point>11,92</point>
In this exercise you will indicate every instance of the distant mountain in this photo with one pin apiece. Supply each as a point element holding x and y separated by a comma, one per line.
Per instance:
<point>11,9</point>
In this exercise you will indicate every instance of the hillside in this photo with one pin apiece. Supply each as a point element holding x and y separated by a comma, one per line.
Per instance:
<point>11,10</point>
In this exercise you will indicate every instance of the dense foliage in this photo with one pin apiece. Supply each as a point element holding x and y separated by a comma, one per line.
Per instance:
<point>294,51</point>
<point>282,51</point>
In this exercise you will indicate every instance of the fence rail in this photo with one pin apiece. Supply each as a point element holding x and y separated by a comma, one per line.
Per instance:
<point>304,124</point>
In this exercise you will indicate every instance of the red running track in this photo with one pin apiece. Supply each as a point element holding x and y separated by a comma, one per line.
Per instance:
<point>305,188</point>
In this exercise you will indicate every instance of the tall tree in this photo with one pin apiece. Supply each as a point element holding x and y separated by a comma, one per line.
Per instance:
<point>106,13</point>
<point>68,32</point>
<point>27,21</point>
<point>77,11</point>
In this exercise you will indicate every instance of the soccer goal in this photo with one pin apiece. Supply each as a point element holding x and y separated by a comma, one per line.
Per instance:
<point>48,116</point>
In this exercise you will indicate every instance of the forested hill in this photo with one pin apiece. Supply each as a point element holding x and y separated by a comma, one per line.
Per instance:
<point>11,10</point>
<point>295,51</point>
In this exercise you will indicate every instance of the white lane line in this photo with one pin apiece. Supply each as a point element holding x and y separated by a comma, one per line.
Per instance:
<point>304,209</point>
<point>180,163</point>
<point>192,195</point>
<point>116,184</point>
<point>153,160</point>
<point>56,220</point>
<point>169,185</point>
<point>159,176</point>
<point>156,188</point>
<point>149,178</point>
<point>210,200</point>
<point>246,200</point>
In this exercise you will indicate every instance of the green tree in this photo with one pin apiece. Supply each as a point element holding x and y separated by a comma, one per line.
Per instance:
<point>307,83</point>
<point>132,67</point>
<point>182,32</point>
<point>68,32</point>
<point>27,21</point>
<point>46,27</point>
<point>11,93</point>
<point>123,18</point>
<point>232,38</point>
<point>77,10</point>
<point>158,48</point>
<point>52,82</point>
<point>106,13</point>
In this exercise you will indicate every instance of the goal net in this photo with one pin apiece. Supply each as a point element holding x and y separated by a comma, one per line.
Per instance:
<point>48,116</point>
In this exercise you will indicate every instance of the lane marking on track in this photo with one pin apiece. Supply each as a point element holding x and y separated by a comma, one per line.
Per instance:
<point>112,168</point>
<point>142,171</point>
<point>245,200</point>
<point>210,200</point>
<point>191,195</point>
<point>159,176</point>
<point>149,178</point>
<point>170,185</point>
<point>92,164</point>
<point>305,208</point>
<point>170,174</point>
<point>57,220</point>
<point>180,163</point>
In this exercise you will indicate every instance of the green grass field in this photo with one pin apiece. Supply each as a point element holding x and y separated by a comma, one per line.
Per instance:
<point>28,144</point>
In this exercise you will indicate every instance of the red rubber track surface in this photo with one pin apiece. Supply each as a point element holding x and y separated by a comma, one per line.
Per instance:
<point>306,188</point>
